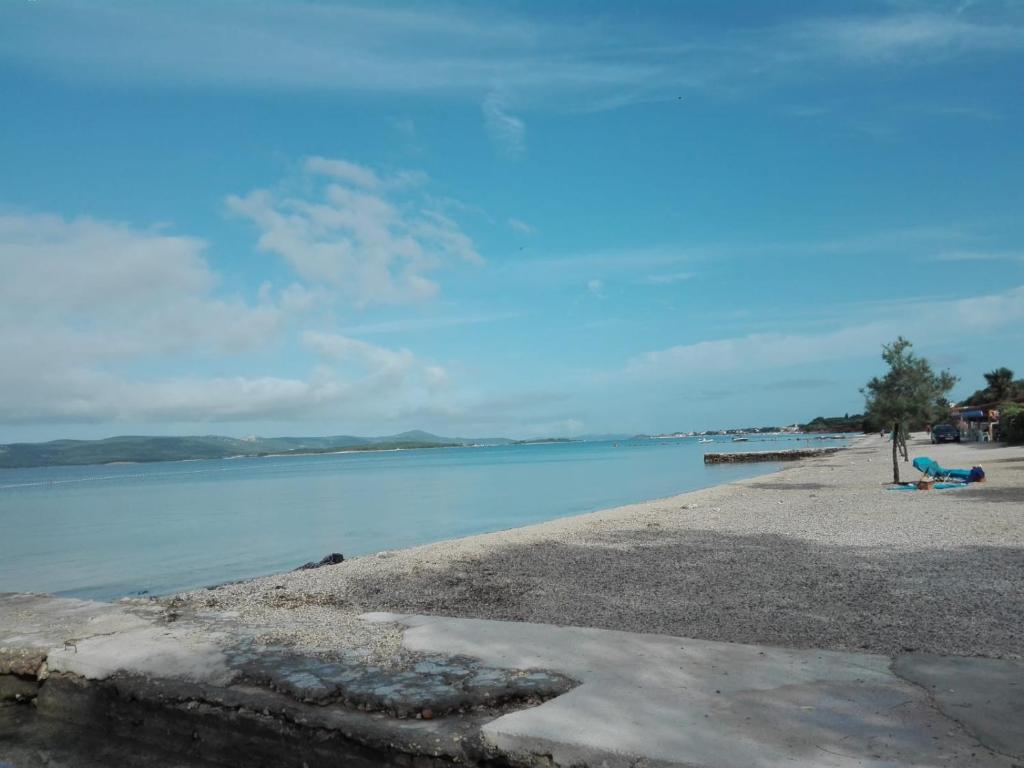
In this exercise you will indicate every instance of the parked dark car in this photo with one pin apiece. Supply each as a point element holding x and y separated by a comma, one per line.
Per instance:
<point>945,433</point>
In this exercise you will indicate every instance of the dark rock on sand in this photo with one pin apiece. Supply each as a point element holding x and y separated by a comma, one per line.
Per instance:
<point>332,559</point>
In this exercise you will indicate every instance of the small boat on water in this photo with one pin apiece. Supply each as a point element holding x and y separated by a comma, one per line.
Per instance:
<point>705,440</point>
<point>740,439</point>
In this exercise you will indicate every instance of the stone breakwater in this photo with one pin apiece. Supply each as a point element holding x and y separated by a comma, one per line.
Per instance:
<point>787,455</point>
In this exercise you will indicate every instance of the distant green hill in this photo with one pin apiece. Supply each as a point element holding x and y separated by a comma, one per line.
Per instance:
<point>845,423</point>
<point>136,448</point>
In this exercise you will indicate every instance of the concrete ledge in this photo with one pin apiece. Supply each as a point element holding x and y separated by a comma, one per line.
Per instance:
<point>505,694</point>
<point>660,700</point>
<point>191,686</point>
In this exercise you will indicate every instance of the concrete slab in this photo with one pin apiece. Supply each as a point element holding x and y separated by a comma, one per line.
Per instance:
<point>96,640</point>
<point>672,701</point>
<point>181,653</point>
<point>32,625</point>
<point>204,685</point>
<point>207,686</point>
<point>985,695</point>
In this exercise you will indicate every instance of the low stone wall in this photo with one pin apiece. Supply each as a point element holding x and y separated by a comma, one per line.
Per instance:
<point>789,455</point>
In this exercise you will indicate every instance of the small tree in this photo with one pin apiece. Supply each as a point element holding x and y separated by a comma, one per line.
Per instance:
<point>908,396</point>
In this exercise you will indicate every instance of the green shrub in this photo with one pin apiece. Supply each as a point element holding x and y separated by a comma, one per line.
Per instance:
<point>1011,423</point>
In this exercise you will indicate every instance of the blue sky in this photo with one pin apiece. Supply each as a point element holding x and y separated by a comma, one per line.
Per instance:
<point>520,219</point>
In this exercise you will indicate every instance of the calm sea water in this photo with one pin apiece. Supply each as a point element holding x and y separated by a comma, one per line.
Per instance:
<point>108,531</point>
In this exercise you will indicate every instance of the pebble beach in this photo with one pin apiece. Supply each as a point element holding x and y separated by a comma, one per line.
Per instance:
<point>821,554</point>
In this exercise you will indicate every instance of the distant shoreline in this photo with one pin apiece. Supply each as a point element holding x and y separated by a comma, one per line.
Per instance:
<point>282,454</point>
<point>156,450</point>
<point>36,456</point>
<point>368,449</point>
<point>382,448</point>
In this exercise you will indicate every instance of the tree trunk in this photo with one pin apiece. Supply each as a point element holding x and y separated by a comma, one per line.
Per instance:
<point>895,452</point>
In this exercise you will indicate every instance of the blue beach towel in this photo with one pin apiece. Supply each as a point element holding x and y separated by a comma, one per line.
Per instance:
<point>937,486</point>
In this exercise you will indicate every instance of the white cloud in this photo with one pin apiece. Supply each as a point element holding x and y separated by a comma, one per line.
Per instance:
<point>344,350</point>
<point>436,377</point>
<point>387,380</point>
<point>104,322</point>
<point>82,298</point>
<point>927,322</point>
<point>507,131</point>
<point>343,170</point>
<point>127,291</point>
<point>297,299</point>
<point>355,381</point>
<point>373,240</point>
<point>357,175</point>
<point>520,226</point>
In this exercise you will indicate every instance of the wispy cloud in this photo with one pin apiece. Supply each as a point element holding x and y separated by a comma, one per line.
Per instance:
<point>966,112</point>
<point>421,324</point>
<point>885,38</point>
<point>405,128</point>
<point>808,110</point>
<point>711,395</point>
<point>507,131</point>
<point>757,351</point>
<point>671,264</point>
<point>629,264</point>
<point>670,278</point>
<point>954,256</point>
<point>473,53</point>
<point>771,350</point>
<point>786,385</point>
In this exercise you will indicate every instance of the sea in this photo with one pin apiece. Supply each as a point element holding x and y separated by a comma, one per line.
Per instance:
<point>110,531</point>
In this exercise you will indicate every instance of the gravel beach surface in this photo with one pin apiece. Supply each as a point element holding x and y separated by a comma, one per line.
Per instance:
<point>820,554</point>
